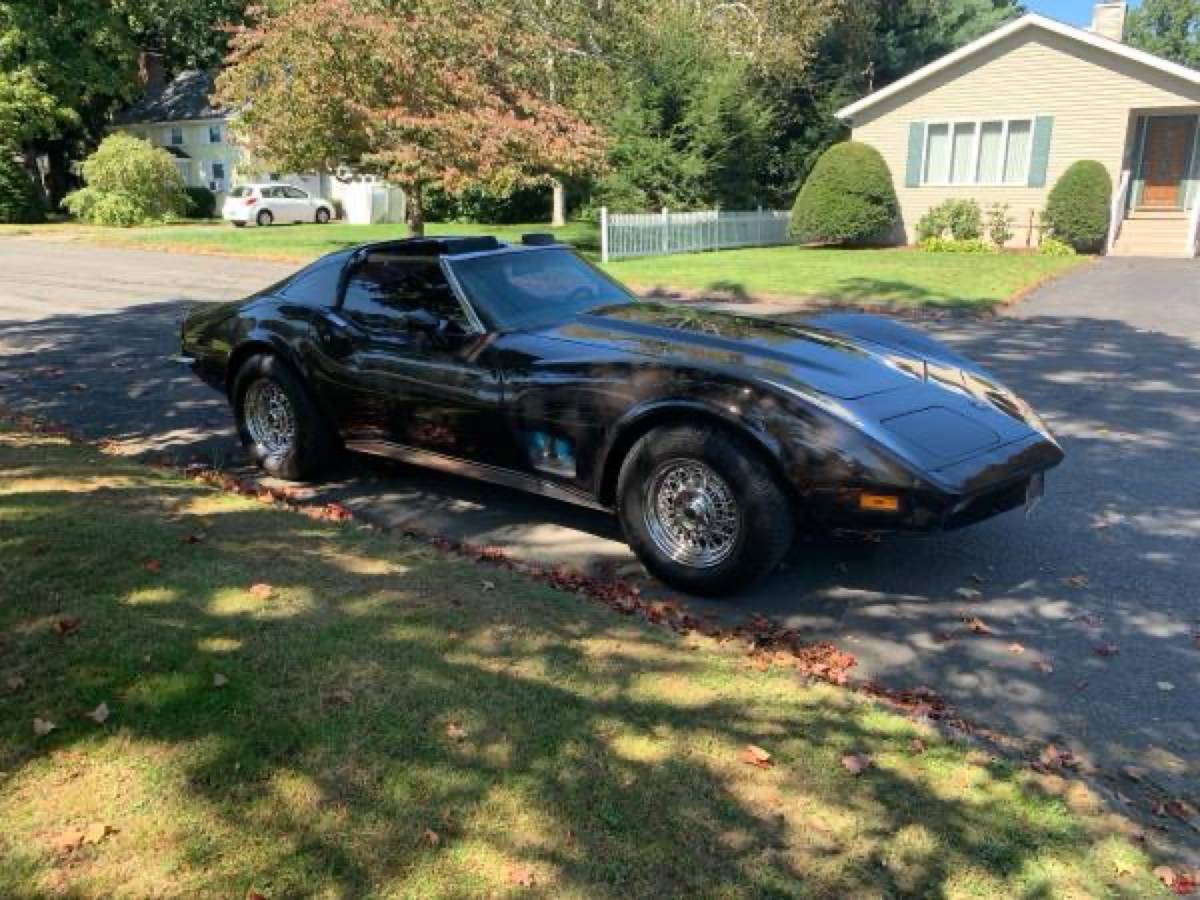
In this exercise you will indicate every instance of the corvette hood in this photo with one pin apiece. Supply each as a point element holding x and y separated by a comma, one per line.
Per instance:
<point>833,362</point>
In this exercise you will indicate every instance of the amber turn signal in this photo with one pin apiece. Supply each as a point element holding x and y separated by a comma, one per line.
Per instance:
<point>879,502</point>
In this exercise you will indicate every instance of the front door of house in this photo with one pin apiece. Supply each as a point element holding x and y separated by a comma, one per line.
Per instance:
<point>1165,159</point>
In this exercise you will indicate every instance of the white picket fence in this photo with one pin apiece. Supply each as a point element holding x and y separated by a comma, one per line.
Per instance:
<point>623,235</point>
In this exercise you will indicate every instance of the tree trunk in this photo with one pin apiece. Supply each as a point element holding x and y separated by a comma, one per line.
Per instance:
<point>558,212</point>
<point>416,211</point>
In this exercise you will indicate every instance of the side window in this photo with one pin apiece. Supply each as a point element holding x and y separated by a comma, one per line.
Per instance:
<point>315,287</point>
<point>381,292</point>
<point>294,193</point>
<point>271,193</point>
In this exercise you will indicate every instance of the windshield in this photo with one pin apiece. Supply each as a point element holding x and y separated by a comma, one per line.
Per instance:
<point>533,288</point>
<point>241,191</point>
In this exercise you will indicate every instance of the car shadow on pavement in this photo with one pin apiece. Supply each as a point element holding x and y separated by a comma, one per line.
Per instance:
<point>1078,623</point>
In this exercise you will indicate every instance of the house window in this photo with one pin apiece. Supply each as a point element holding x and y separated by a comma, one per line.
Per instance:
<point>176,136</point>
<point>218,177</point>
<point>214,134</point>
<point>989,151</point>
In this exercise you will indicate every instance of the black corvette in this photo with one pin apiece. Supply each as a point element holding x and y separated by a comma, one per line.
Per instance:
<point>712,436</point>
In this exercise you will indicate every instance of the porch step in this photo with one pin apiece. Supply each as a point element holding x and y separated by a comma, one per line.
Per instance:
<point>1158,214</point>
<point>1152,236</point>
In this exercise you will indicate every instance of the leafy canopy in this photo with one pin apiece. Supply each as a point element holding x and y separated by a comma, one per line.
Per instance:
<point>425,91</point>
<point>129,182</point>
<point>1169,28</point>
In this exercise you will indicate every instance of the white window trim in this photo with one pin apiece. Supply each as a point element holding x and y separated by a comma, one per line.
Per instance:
<point>951,124</point>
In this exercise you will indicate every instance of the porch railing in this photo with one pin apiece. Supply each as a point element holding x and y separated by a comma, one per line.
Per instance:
<point>1116,215</point>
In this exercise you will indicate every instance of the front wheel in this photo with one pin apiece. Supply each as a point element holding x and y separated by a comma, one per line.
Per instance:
<point>702,509</point>
<point>278,421</point>
<point>322,216</point>
<point>264,218</point>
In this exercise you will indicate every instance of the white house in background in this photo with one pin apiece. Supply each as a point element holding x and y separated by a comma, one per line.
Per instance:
<point>180,117</point>
<point>1000,119</point>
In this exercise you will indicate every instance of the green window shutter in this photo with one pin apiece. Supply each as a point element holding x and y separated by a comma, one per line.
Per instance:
<point>1043,128</point>
<point>916,149</point>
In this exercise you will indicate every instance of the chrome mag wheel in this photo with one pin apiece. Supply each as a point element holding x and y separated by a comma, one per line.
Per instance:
<point>691,513</point>
<point>270,418</point>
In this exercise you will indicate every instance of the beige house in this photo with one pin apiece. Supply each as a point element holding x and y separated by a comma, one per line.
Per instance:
<point>1001,118</point>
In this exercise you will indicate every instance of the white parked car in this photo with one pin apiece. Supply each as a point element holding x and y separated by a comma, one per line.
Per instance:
<point>274,204</point>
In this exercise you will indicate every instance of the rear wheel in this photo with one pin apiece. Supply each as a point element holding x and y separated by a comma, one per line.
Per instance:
<point>702,509</point>
<point>264,217</point>
<point>322,216</point>
<point>278,421</point>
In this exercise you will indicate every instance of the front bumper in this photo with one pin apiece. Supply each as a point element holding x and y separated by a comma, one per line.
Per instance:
<point>969,491</point>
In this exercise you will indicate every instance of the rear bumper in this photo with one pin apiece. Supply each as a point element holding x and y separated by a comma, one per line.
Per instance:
<point>955,496</point>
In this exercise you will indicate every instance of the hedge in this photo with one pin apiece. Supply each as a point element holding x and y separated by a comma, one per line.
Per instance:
<point>1077,210</point>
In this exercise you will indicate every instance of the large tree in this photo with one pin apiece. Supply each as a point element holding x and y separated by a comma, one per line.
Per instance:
<point>189,34</point>
<point>1170,28</point>
<point>64,65</point>
<point>427,92</point>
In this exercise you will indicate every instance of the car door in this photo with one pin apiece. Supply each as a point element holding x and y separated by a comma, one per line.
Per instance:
<point>408,365</point>
<point>299,205</point>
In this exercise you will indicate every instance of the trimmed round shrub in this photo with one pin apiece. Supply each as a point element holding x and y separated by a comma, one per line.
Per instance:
<point>201,203</point>
<point>848,197</point>
<point>20,199</point>
<point>960,220</point>
<point>1077,209</point>
<point>129,182</point>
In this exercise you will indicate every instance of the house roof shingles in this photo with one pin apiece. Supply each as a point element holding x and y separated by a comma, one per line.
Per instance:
<point>185,97</point>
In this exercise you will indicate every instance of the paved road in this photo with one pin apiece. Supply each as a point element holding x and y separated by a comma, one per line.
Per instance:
<point>1111,356</point>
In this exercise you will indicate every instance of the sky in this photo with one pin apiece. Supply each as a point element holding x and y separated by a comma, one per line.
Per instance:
<point>1074,12</point>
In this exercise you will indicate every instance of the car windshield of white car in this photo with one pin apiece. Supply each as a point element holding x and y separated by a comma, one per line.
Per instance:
<point>530,289</point>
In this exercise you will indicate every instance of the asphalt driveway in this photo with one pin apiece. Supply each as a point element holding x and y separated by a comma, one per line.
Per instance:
<point>1110,562</point>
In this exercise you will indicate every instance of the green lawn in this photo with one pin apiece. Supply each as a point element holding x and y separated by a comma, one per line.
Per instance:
<point>299,708</point>
<point>898,277</point>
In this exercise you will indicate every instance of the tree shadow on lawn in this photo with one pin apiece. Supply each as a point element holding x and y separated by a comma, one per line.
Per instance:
<point>1109,557</point>
<point>595,757</point>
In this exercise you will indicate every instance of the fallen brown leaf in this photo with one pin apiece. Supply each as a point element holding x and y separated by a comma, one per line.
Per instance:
<point>99,715</point>
<point>455,732</point>
<point>856,763</point>
<point>42,727</point>
<point>753,755</point>
<point>261,591</point>
<point>15,682</point>
<point>69,841</point>
<point>977,625</point>
<point>67,625</point>
<point>522,875</point>
<point>431,837</point>
<point>193,538</point>
<point>153,566</point>
<point>1106,649</point>
<point>917,745</point>
<point>1042,666</point>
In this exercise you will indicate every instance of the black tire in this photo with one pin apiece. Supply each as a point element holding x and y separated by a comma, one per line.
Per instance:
<point>323,216</point>
<point>313,440</point>
<point>766,520</point>
<point>239,224</point>
<point>264,218</point>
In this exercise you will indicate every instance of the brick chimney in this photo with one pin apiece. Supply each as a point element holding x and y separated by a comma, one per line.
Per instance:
<point>151,72</point>
<point>1108,20</point>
